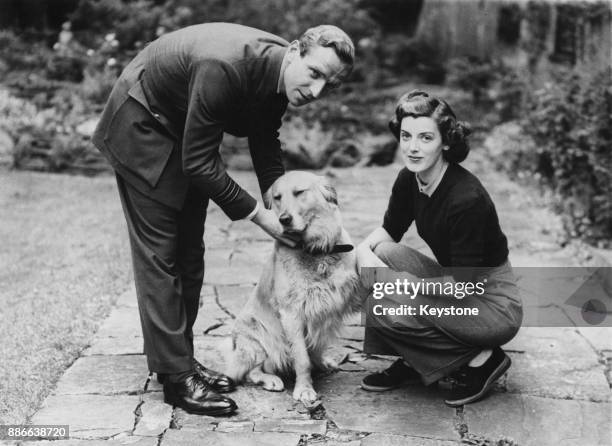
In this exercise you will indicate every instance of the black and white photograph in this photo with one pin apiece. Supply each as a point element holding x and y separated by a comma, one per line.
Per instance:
<point>306,222</point>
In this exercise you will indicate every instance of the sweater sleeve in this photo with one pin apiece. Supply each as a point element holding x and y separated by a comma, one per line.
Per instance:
<point>400,212</point>
<point>265,146</point>
<point>214,88</point>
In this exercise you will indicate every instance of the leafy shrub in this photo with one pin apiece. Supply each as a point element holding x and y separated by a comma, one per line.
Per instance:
<point>571,123</point>
<point>492,84</point>
<point>406,55</point>
<point>46,136</point>
<point>131,21</point>
<point>475,76</point>
<point>22,55</point>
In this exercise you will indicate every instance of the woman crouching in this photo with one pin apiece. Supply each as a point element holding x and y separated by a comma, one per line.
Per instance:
<point>456,217</point>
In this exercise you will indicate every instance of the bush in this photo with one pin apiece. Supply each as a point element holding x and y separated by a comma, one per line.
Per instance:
<point>475,76</point>
<point>571,122</point>
<point>131,21</point>
<point>46,136</point>
<point>495,87</point>
<point>406,55</point>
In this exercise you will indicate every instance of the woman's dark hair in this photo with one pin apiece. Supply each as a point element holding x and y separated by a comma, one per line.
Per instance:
<point>454,133</point>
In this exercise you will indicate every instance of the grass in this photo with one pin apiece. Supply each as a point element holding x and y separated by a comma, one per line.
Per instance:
<point>64,258</point>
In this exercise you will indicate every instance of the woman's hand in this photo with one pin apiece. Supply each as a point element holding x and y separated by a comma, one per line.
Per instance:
<point>268,221</point>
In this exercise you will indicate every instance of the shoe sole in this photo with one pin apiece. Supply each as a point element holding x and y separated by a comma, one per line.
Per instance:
<point>408,382</point>
<point>211,413</point>
<point>497,373</point>
<point>216,389</point>
<point>377,388</point>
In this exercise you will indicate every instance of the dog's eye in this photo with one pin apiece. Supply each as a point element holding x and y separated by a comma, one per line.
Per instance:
<point>297,193</point>
<point>277,197</point>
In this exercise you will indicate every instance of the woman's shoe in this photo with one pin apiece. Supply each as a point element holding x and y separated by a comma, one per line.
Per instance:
<point>399,373</point>
<point>472,383</point>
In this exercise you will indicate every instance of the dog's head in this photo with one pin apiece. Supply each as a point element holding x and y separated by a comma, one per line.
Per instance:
<point>307,204</point>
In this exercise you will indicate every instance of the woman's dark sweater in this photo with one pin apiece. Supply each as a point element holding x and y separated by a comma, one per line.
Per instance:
<point>458,221</point>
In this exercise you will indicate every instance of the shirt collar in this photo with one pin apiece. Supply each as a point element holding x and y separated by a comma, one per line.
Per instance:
<point>429,189</point>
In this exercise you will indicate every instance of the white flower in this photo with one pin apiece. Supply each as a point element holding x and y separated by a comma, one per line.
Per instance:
<point>109,37</point>
<point>114,43</point>
<point>111,62</point>
<point>56,46</point>
<point>90,52</point>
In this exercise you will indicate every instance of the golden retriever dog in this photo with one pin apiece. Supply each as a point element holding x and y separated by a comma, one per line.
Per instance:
<point>303,295</point>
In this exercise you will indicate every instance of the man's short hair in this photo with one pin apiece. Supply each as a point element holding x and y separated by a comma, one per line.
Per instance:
<point>329,36</point>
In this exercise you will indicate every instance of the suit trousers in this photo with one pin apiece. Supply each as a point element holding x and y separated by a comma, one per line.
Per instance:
<point>436,346</point>
<point>168,260</point>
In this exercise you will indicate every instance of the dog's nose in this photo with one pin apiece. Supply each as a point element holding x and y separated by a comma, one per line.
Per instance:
<point>285,219</point>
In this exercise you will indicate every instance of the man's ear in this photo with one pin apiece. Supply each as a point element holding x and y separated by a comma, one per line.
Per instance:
<point>328,191</point>
<point>294,50</point>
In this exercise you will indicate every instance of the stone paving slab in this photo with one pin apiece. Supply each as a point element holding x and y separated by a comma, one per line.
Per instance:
<point>122,322</point>
<point>127,298</point>
<point>233,298</point>
<point>599,337</point>
<point>558,377</point>
<point>402,440</point>
<point>550,317</point>
<point>219,270</point>
<point>155,415</point>
<point>209,317</point>
<point>255,403</point>
<point>184,420</point>
<point>414,410</point>
<point>541,421</point>
<point>129,345</point>
<point>104,375</point>
<point>189,437</point>
<point>90,416</point>
<point>299,426</point>
<point>552,341</point>
<point>210,351</point>
<point>125,441</point>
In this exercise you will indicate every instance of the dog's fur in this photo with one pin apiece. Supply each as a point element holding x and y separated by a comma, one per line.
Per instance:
<point>303,294</point>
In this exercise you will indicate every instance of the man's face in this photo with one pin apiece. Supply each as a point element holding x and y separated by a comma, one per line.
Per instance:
<point>311,76</point>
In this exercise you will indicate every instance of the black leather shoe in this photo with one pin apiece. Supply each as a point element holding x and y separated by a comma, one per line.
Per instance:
<point>395,376</point>
<point>194,396</point>
<point>217,381</point>
<point>473,383</point>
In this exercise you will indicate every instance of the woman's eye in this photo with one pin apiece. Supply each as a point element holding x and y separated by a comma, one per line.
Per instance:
<point>427,138</point>
<point>405,137</point>
<point>315,74</point>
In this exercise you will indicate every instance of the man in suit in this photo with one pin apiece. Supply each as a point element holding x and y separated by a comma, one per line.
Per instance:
<point>161,130</point>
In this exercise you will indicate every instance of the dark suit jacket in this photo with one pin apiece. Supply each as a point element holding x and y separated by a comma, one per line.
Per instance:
<point>166,115</point>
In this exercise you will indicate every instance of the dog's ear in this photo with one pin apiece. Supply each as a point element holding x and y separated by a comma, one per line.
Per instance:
<point>267,198</point>
<point>328,191</point>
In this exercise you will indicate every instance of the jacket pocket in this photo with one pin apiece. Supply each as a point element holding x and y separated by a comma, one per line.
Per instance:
<point>138,142</point>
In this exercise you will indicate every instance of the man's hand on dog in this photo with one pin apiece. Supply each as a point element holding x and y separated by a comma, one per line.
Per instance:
<point>267,220</point>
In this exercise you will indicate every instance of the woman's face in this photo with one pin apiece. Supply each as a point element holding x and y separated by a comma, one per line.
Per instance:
<point>421,146</point>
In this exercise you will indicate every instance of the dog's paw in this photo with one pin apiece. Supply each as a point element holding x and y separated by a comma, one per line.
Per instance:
<point>272,383</point>
<point>306,395</point>
<point>329,364</point>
